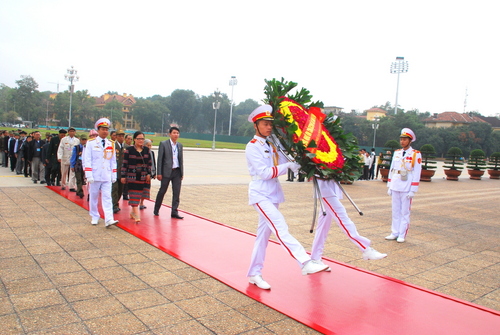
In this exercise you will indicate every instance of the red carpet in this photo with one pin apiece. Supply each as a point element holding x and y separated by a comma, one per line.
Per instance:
<point>347,300</point>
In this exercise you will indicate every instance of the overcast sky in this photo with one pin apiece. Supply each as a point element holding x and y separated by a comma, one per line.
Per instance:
<point>340,50</point>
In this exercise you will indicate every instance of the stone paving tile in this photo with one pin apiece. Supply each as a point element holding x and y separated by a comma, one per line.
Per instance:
<point>228,322</point>
<point>6,307</point>
<point>83,291</point>
<point>71,278</point>
<point>180,292</point>
<point>112,272</point>
<point>188,327</point>
<point>202,306</point>
<point>11,324</point>
<point>37,299</point>
<point>288,326</point>
<point>119,324</point>
<point>141,299</point>
<point>161,316</point>
<point>261,314</point>
<point>161,278</point>
<point>98,307</point>
<point>123,285</point>
<point>72,328</point>
<point>47,317</point>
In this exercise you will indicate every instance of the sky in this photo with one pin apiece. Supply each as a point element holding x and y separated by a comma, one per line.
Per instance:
<point>340,50</point>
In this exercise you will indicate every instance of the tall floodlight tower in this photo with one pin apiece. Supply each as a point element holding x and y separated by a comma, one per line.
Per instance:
<point>71,77</point>
<point>233,81</point>
<point>399,66</point>
<point>216,106</point>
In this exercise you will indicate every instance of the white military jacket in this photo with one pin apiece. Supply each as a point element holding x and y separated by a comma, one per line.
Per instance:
<point>65,150</point>
<point>100,161</point>
<point>265,165</point>
<point>404,174</point>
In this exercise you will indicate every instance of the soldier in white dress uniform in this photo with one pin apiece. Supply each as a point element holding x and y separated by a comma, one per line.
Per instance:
<point>330,196</point>
<point>64,153</point>
<point>99,161</point>
<point>265,164</point>
<point>403,182</point>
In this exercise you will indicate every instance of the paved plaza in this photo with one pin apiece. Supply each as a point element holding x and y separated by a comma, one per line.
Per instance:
<point>60,275</point>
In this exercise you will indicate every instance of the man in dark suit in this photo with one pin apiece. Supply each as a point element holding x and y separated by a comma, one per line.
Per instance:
<point>170,167</point>
<point>117,187</point>
<point>13,147</point>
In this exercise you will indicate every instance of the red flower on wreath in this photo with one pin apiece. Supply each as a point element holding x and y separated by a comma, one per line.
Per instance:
<point>310,127</point>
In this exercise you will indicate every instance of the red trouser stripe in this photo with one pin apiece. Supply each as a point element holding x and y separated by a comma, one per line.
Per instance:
<point>275,231</point>
<point>342,224</point>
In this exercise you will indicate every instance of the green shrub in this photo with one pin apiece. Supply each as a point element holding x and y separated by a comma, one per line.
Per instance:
<point>453,159</point>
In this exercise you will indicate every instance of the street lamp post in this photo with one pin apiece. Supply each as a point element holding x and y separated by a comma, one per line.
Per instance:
<point>216,106</point>
<point>399,66</point>
<point>71,77</point>
<point>233,81</point>
<point>374,127</point>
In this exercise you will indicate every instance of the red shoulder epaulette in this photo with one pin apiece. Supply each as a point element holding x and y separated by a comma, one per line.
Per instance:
<point>253,140</point>
<point>416,151</point>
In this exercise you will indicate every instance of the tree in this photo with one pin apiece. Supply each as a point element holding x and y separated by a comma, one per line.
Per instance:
<point>26,97</point>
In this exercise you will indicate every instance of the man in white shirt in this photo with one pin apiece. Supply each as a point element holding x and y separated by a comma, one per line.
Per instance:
<point>64,153</point>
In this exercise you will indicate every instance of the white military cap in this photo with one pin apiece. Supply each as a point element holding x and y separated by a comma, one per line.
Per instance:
<point>264,112</point>
<point>102,122</point>
<point>407,132</point>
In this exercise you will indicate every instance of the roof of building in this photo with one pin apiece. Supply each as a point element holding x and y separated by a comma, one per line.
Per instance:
<point>125,99</point>
<point>376,110</point>
<point>494,121</point>
<point>454,117</point>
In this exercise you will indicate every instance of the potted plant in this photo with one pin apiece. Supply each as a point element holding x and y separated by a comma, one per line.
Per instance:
<point>453,164</point>
<point>476,164</point>
<point>387,159</point>
<point>494,166</point>
<point>428,152</point>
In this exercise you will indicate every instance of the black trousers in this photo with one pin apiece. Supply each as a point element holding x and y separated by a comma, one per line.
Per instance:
<point>175,177</point>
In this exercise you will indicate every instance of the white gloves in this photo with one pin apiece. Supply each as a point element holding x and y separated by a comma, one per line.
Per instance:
<point>410,195</point>
<point>294,167</point>
<point>113,180</point>
<point>389,192</point>
<point>90,180</point>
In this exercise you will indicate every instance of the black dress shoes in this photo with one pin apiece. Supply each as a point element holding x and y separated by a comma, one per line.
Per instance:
<point>177,216</point>
<point>156,213</point>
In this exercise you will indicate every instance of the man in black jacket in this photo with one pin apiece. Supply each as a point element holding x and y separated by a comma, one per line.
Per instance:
<point>35,158</point>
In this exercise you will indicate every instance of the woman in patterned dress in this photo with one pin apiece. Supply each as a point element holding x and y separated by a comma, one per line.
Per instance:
<point>136,172</point>
<point>149,144</point>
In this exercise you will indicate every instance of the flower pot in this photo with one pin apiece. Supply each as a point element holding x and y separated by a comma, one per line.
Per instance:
<point>475,174</point>
<point>426,175</point>
<point>452,174</point>
<point>494,174</point>
<point>384,173</point>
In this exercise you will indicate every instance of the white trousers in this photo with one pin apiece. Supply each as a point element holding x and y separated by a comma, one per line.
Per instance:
<point>104,188</point>
<point>335,211</point>
<point>401,206</point>
<point>272,221</point>
<point>64,175</point>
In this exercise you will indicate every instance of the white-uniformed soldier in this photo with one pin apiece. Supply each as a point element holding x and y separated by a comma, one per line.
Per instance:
<point>64,153</point>
<point>403,182</point>
<point>265,164</point>
<point>100,170</point>
<point>330,196</point>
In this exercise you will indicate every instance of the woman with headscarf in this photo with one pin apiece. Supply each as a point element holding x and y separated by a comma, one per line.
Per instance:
<point>136,172</point>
